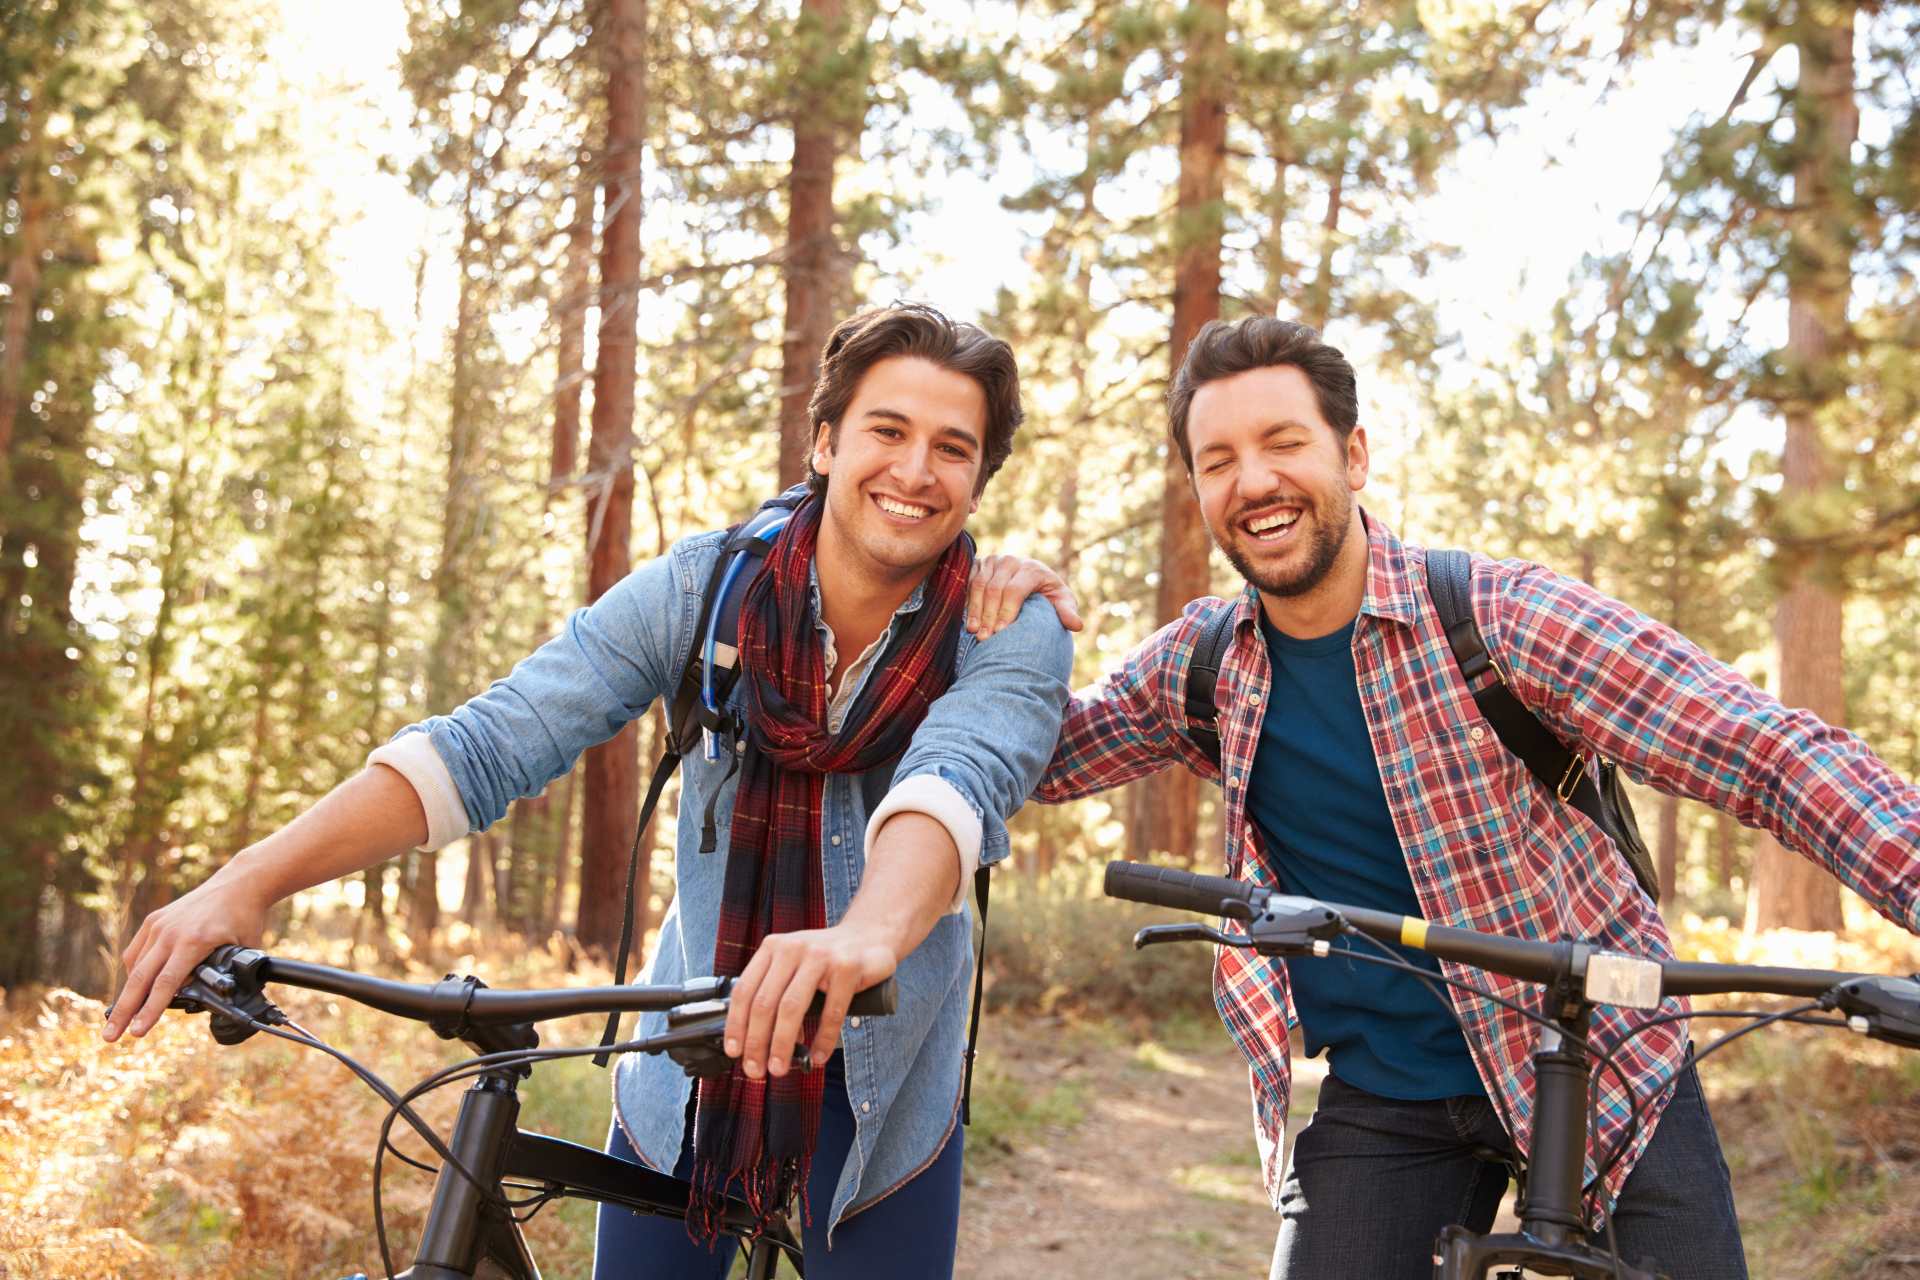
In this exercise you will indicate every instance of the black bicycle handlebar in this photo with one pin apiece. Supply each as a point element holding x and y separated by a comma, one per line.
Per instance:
<point>455,1007</point>
<point>1288,923</point>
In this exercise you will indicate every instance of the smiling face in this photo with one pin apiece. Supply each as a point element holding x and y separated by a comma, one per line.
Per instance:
<point>1275,481</point>
<point>902,468</point>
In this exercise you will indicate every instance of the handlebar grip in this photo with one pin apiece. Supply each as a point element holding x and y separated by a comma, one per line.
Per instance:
<point>875,1001</point>
<point>1172,887</point>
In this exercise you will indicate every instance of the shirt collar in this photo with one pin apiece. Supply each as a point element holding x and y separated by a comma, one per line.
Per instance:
<point>909,605</point>
<point>1389,582</point>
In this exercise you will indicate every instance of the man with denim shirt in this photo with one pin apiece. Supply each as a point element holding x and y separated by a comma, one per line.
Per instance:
<point>1356,768</point>
<point>913,414</point>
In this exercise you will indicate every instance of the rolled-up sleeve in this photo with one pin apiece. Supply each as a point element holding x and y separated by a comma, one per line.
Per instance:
<point>605,667</point>
<point>993,731</point>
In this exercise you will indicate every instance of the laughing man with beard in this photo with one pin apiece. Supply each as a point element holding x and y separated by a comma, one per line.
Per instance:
<point>1357,769</point>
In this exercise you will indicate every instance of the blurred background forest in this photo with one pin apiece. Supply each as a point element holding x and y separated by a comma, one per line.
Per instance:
<point>346,347</point>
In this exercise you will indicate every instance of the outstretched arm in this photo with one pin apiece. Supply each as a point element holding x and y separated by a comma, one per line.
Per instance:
<point>365,820</point>
<point>1642,695</point>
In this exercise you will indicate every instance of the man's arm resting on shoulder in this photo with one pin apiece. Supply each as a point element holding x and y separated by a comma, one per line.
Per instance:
<point>365,820</point>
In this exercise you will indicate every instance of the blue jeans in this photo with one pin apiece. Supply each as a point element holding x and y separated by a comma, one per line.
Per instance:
<point>911,1232</point>
<point>1373,1180</point>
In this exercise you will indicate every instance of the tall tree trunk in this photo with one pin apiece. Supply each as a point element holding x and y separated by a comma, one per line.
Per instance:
<point>23,298</point>
<point>1788,891</point>
<point>1173,797</point>
<point>448,675</point>
<point>562,852</point>
<point>1667,850</point>
<point>374,878</point>
<point>575,298</point>
<point>811,249</point>
<point>1724,828</point>
<point>1320,298</point>
<point>1273,252</point>
<point>613,768</point>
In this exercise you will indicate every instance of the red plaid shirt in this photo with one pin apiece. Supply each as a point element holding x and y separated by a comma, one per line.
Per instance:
<point>1488,847</point>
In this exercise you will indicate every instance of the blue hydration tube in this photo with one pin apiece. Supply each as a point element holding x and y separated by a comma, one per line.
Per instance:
<point>713,628</point>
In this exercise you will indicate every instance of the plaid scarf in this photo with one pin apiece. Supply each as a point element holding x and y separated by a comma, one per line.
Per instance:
<point>761,1133</point>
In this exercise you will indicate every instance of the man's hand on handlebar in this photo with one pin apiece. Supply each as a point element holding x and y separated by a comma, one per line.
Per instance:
<point>770,998</point>
<point>172,940</point>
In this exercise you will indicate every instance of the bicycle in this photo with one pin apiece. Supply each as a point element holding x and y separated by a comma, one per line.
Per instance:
<point>1577,976</point>
<point>472,1230</point>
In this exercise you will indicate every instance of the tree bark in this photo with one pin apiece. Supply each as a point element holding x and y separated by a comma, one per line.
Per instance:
<point>570,374</point>
<point>612,769</point>
<point>1666,858</point>
<point>1170,808</point>
<point>1788,891</point>
<point>811,249</point>
<point>23,297</point>
<point>447,662</point>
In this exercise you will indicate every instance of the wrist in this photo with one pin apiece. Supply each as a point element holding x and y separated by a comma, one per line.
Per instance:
<point>254,875</point>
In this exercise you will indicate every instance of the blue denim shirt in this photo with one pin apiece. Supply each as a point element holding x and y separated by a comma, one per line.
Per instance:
<point>990,735</point>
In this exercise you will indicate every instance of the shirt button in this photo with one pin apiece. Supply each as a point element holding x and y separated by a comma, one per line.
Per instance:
<point>1234,781</point>
<point>836,839</point>
<point>854,1021</point>
<point>1254,699</point>
<point>865,1107</point>
<point>1477,734</point>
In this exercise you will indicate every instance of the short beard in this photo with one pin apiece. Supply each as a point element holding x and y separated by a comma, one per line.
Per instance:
<point>1323,551</point>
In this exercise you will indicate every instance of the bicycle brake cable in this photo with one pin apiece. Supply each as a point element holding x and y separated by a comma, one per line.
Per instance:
<point>1761,1018</point>
<point>1604,1056</point>
<point>397,1106</point>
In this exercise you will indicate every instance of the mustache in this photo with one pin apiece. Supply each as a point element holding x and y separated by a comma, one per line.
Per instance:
<point>1266,505</point>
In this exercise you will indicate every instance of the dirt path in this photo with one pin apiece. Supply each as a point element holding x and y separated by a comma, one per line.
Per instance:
<point>1129,1159</point>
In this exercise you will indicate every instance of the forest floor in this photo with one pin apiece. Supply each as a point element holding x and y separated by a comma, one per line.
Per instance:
<point>1097,1151</point>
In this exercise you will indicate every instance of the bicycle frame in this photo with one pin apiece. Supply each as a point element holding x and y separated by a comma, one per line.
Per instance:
<point>1576,975</point>
<point>469,1233</point>
<point>465,1238</point>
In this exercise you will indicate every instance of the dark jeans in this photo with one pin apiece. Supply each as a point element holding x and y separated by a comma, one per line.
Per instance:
<point>1374,1179</point>
<point>910,1233</point>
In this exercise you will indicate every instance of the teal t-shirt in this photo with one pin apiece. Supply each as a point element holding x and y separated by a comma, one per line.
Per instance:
<point>1316,796</point>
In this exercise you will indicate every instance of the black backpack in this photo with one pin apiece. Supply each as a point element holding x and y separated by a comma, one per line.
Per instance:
<point>1591,786</point>
<point>700,719</point>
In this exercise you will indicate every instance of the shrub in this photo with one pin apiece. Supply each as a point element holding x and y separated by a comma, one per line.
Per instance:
<point>1058,946</point>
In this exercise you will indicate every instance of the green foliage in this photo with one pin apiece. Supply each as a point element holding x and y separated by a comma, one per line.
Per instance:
<point>1057,946</point>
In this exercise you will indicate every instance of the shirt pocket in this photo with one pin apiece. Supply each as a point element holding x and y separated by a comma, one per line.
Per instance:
<point>1463,807</point>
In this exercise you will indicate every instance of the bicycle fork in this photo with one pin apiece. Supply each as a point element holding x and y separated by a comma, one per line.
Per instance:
<point>1552,1236</point>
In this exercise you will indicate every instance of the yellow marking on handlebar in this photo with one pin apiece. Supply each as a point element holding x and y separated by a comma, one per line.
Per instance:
<point>1413,933</point>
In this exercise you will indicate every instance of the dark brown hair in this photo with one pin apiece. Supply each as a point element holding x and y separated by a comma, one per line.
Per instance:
<point>909,329</point>
<point>1221,350</point>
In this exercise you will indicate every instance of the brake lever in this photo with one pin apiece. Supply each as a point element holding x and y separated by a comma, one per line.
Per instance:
<point>229,988</point>
<point>1880,1008</point>
<point>695,1035</point>
<point>1155,934</point>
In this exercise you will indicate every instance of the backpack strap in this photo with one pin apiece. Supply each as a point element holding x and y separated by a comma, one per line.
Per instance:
<point>1203,674</point>
<point>982,883</point>
<point>700,710</point>
<point>1595,791</point>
